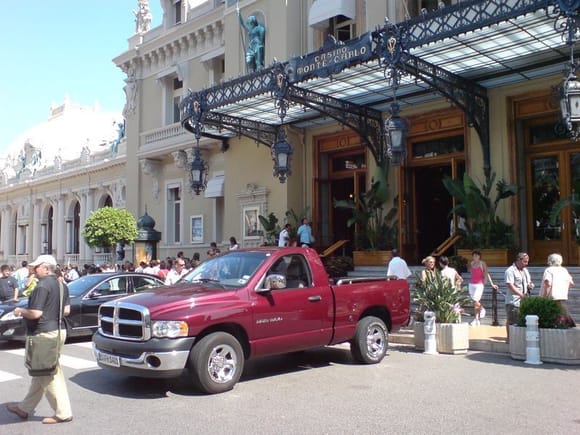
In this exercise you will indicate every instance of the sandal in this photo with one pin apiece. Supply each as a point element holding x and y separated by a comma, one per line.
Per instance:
<point>14,409</point>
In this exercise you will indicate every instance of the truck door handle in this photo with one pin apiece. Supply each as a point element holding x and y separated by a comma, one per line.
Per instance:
<point>315,298</point>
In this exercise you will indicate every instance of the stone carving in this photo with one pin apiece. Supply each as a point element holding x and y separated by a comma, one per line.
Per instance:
<point>180,158</point>
<point>143,17</point>
<point>131,90</point>
<point>152,167</point>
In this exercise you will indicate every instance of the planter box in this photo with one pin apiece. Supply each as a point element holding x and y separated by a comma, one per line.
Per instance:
<point>371,258</point>
<point>451,338</point>
<point>560,346</point>
<point>492,257</point>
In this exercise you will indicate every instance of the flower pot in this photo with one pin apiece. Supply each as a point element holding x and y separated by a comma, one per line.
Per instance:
<point>419,332</point>
<point>451,338</point>
<point>492,257</point>
<point>560,346</point>
<point>371,258</point>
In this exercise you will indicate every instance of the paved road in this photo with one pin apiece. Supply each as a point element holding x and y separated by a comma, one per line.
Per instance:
<point>315,392</point>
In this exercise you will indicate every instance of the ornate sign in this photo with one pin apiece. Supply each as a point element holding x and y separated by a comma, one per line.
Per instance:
<point>333,57</point>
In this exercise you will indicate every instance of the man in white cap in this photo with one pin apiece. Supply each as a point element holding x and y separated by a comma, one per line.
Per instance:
<point>42,318</point>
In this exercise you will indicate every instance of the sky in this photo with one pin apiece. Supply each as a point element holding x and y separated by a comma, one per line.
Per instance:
<point>57,48</point>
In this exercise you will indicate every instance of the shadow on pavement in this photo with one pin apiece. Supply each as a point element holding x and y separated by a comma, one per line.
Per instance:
<point>108,383</point>
<point>506,359</point>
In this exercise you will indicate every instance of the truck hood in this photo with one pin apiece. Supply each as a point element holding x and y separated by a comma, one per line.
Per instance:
<point>169,299</point>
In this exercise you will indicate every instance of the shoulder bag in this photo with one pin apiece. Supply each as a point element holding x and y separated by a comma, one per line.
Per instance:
<point>42,352</point>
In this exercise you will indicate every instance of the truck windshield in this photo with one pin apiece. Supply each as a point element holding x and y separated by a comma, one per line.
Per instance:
<point>229,270</point>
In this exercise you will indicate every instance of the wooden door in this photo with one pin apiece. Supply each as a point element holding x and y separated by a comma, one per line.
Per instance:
<point>551,176</point>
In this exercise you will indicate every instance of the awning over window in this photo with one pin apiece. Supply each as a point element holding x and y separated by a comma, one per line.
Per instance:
<point>322,10</point>
<point>215,187</point>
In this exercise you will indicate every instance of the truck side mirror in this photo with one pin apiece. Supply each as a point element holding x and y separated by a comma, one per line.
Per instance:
<point>273,282</point>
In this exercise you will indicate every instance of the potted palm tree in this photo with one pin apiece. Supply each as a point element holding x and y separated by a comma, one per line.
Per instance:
<point>436,294</point>
<point>376,229</point>
<point>483,229</point>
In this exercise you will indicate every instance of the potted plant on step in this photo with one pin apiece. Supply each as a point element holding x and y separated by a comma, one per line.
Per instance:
<point>558,342</point>
<point>482,228</point>
<point>376,229</point>
<point>436,294</point>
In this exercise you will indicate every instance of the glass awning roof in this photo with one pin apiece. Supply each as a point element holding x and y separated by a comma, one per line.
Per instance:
<point>502,48</point>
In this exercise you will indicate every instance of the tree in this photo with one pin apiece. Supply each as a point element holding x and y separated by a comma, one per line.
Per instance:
<point>107,226</point>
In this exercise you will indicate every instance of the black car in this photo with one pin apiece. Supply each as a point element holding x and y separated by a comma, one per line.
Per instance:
<point>86,296</point>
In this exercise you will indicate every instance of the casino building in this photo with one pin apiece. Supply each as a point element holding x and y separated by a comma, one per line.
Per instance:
<point>211,145</point>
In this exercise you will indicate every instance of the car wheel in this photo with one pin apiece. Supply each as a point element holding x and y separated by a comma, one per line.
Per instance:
<point>216,362</point>
<point>370,341</point>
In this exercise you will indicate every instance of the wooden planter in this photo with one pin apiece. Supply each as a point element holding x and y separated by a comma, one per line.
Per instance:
<point>451,338</point>
<point>492,257</point>
<point>560,346</point>
<point>371,258</point>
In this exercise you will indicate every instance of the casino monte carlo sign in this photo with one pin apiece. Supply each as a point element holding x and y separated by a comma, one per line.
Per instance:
<point>333,57</point>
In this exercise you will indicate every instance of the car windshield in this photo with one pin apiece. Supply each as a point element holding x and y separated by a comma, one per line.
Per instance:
<point>229,270</point>
<point>81,285</point>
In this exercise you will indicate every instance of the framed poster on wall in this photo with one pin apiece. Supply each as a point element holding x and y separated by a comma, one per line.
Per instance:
<point>197,229</point>
<point>251,223</point>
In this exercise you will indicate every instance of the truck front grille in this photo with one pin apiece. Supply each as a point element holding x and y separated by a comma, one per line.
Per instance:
<point>124,321</point>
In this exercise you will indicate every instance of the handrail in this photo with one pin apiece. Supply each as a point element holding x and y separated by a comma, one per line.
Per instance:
<point>448,243</point>
<point>333,248</point>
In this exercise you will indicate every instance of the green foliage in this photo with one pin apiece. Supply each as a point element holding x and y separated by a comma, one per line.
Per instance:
<point>107,226</point>
<point>271,229</point>
<point>337,266</point>
<point>459,263</point>
<point>376,230</point>
<point>547,310</point>
<point>574,203</point>
<point>484,229</point>
<point>437,295</point>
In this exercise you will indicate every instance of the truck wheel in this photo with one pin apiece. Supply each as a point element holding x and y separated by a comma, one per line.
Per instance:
<point>369,344</point>
<point>217,362</point>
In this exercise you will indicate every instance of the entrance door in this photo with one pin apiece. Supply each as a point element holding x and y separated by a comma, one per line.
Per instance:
<point>551,177</point>
<point>432,204</point>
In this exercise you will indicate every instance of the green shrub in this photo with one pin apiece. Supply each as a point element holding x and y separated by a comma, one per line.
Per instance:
<point>459,263</point>
<point>547,310</point>
<point>337,266</point>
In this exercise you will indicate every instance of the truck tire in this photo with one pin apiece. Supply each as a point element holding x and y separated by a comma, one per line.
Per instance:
<point>216,362</point>
<point>369,345</point>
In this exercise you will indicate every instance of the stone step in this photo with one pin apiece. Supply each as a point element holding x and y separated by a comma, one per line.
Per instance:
<point>484,338</point>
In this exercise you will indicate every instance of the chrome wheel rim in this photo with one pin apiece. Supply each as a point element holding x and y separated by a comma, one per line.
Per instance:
<point>376,340</point>
<point>222,364</point>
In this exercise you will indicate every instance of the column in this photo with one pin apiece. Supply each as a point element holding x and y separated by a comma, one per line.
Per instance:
<point>35,242</point>
<point>60,228</point>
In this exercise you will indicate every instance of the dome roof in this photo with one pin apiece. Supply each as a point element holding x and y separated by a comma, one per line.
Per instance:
<point>145,222</point>
<point>70,130</point>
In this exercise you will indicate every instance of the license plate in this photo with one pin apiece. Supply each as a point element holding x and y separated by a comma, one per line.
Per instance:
<point>110,360</point>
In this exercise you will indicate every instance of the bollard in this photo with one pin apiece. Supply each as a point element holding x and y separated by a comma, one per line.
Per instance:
<point>532,340</point>
<point>430,331</point>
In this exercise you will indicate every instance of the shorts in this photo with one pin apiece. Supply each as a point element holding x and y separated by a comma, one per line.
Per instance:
<point>476,291</point>
<point>512,314</point>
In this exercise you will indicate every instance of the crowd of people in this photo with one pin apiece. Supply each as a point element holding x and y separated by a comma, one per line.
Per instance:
<point>556,282</point>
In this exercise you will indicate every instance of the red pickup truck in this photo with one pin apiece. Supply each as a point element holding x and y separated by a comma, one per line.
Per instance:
<point>245,304</point>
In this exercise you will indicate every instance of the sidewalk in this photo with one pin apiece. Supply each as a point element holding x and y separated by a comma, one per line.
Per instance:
<point>485,338</point>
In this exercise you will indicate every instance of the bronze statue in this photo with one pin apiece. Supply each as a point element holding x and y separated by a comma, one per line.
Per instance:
<point>256,35</point>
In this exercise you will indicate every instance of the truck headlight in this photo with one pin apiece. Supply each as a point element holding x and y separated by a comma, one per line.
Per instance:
<point>169,329</point>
